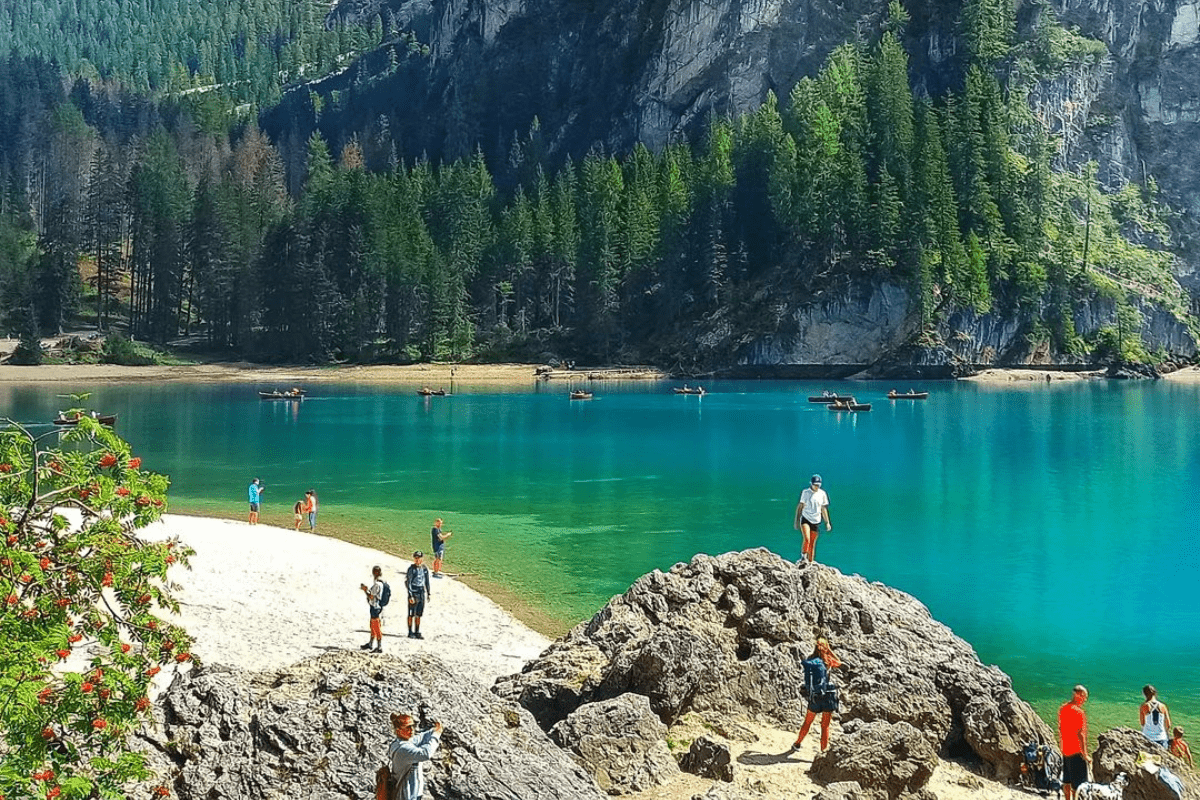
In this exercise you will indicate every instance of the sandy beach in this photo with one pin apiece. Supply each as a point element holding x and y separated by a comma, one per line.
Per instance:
<point>261,597</point>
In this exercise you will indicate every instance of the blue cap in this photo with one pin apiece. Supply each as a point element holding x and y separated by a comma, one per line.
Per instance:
<point>815,479</point>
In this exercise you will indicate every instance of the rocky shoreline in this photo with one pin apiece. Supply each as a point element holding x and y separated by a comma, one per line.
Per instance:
<point>686,686</point>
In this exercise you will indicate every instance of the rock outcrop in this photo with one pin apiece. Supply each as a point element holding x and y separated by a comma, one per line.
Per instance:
<point>1121,750</point>
<point>319,730</point>
<point>726,634</point>
<point>620,742</point>
<point>892,757</point>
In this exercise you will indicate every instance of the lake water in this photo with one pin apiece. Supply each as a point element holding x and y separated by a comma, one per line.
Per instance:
<point>1052,526</point>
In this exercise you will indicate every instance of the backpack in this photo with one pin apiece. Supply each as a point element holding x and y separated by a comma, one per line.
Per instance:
<point>1042,767</point>
<point>816,676</point>
<point>385,597</point>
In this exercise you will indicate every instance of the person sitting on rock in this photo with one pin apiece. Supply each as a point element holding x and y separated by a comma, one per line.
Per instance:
<point>822,695</point>
<point>1178,747</point>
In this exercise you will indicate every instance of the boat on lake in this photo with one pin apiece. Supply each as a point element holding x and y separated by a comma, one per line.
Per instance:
<point>909,395</point>
<point>579,395</point>
<point>685,389</point>
<point>290,394</point>
<point>848,404</point>
<point>103,419</point>
<point>425,391</point>
<point>826,397</point>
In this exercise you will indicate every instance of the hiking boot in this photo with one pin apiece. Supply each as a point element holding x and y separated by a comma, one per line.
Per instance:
<point>366,646</point>
<point>411,635</point>
<point>417,635</point>
<point>378,649</point>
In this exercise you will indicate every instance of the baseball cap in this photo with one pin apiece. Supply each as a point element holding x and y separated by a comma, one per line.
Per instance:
<point>815,479</point>
<point>418,554</point>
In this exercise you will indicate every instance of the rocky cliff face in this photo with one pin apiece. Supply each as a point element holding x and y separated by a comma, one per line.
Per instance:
<point>725,635</point>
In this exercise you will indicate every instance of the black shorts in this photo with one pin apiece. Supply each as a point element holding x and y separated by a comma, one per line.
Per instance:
<point>375,612</point>
<point>816,526</point>
<point>254,507</point>
<point>1075,770</point>
<point>823,702</point>
<point>416,605</point>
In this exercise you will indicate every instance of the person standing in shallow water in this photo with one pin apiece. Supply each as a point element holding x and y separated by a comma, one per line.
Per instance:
<point>822,695</point>
<point>1072,732</point>
<point>813,506</point>
<point>1155,718</point>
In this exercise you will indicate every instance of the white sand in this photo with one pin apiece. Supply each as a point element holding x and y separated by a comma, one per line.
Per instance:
<point>259,597</point>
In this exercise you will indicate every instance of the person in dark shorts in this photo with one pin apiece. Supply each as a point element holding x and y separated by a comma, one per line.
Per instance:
<point>439,538</point>
<point>812,508</point>
<point>1072,732</point>
<point>822,695</point>
<point>255,491</point>
<point>417,582</point>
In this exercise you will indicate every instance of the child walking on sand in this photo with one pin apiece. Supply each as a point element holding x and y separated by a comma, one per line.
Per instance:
<point>298,510</point>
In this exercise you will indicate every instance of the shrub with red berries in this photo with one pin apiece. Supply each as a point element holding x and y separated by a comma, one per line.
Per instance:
<point>85,615</point>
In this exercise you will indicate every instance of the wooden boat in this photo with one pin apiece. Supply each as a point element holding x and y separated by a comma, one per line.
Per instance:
<point>698,390</point>
<point>894,395</point>
<point>577,395</point>
<point>849,404</point>
<point>830,398</point>
<point>293,394</point>
<point>427,392</point>
<point>103,419</point>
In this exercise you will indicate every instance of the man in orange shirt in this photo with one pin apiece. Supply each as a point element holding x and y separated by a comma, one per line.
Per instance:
<point>1072,731</point>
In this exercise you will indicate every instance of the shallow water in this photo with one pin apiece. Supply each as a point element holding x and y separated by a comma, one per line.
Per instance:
<point>1052,526</point>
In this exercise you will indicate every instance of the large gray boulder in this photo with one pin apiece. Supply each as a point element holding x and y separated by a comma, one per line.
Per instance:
<point>620,742</point>
<point>319,729</point>
<point>892,757</point>
<point>1121,750</point>
<point>726,635</point>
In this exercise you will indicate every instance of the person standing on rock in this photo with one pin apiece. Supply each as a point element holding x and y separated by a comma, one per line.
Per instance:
<point>822,695</point>
<point>813,506</point>
<point>1072,732</point>
<point>1155,718</point>
<point>407,753</point>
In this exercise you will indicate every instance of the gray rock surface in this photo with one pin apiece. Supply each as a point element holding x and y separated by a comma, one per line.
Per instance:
<point>708,758</point>
<point>319,729</point>
<point>1117,751</point>
<point>849,790</point>
<point>726,634</point>
<point>620,742</point>
<point>893,757</point>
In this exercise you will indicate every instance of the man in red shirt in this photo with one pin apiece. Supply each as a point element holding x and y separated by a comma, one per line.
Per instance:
<point>1072,731</point>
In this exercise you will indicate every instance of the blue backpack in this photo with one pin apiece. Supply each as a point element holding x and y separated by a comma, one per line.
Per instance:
<point>385,597</point>
<point>816,676</point>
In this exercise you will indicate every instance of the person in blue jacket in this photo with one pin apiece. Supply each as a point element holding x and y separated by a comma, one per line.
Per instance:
<point>256,490</point>
<point>407,754</point>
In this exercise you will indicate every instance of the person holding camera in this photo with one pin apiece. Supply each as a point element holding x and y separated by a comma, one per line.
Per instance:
<point>255,492</point>
<point>406,754</point>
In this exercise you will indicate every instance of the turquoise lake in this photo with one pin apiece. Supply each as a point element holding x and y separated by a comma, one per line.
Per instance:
<point>1052,526</point>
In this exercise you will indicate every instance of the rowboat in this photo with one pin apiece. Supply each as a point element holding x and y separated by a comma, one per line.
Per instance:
<point>829,398</point>
<point>581,395</point>
<point>293,394</point>
<point>427,392</point>
<point>699,390</point>
<point>849,404</point>
<point>894,395</point>
<point>103,419</point>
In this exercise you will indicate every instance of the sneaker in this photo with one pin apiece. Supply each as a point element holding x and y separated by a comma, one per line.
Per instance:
<point>411,635</point>
<point>437,574</point>
<point>378,649</point>
<point>366,646</point>
<point>417,635</point>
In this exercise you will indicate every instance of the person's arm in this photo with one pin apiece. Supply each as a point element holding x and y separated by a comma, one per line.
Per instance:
<point>1142,714</point>
<point>1166,717</point>
<point>825,514</point>
<point>799,513</point>
<point>428,585</point>
<point>1083,738</point>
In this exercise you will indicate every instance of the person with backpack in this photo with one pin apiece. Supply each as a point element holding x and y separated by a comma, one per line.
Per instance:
<point>417,581</point>
<point>822,695</point>
<point>406,755</point>
<point>379,594</point>
<point>1155,718</point>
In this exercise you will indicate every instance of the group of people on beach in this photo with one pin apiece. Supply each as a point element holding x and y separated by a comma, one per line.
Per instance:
<point>1153,716</point>
<point>306,506</point>
<point>418,585</point>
